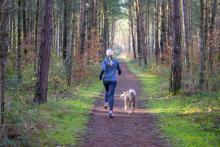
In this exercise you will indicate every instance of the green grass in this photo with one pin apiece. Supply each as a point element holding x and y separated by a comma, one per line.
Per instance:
<point>187,121</point>
<point>68,117</point>
<point>62,120</point>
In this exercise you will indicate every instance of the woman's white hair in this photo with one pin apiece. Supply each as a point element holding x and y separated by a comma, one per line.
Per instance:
<point>109,52</point>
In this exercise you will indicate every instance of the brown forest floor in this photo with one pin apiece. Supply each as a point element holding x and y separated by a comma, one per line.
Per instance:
<point>137,130</point>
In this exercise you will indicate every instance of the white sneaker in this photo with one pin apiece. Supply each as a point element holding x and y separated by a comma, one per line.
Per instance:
<point>105,105</point>
<point>110,114</point>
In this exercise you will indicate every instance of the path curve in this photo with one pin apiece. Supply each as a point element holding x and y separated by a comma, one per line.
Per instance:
<point>137,130</point>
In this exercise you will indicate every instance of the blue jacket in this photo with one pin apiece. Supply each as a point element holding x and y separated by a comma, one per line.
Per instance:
<point>109,69</point>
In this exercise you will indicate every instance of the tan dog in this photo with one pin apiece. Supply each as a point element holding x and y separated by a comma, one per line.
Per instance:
<point>129,100</point>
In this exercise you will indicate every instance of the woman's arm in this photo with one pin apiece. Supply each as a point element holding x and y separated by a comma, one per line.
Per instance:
<point>101,74</point>
<point>119,69</point>
<point>102,70</point>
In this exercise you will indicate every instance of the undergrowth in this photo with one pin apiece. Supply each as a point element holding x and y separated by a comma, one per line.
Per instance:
<point>187,120</point>
<point>61,121</point>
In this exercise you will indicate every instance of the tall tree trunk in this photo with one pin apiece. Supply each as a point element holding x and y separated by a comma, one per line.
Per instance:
<point>36,34</point>
<point>170,25</point>
<point>148,28</point>
<point>157,48</point>
<point>176,67</point>
<point>95,14</point>
<point>143,32</point>
<point>206,24</point>
<point>186,31</point>
<point>44,55</point>
<point>129,39</point>
<point>74,20</point>
<point>19,43</point>
<point>4,42</point>
<point>132,32</point>
<point>106,27</point>
<point>90,29</point>
<point>211,35</point>
<point>163,30</point>
<point>139,36</point>
<point>202,46</point>
<point>112,36</point>
<point>99,3</point>
<point>24,18</point>
<point>24,24</point>
<point>60,34</point>
<point>152,44</point>
<point>11,22</point>
<point>82,26</point>
<point>219,46</point>
<point>14,39</point>
<point>169,21</point>
<point>65,33</point>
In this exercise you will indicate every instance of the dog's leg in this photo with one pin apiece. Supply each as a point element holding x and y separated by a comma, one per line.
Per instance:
<point>130,107</point>
<point>133,106</point>
<point>125,103</point>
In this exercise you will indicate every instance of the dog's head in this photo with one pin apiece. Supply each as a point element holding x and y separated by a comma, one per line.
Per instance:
<point>130,91</point>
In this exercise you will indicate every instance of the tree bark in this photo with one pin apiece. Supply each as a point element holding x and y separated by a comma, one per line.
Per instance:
<point>44,55</point>
<point>106,27</point>
<point>95,14</point>
<point>24,24</point>
<point>139,36</point>
<point>4,42</point>
<point>176,67</point>
<point>90,29</point>
<point>132,33</point>
<point>202,46</point>
<point>157,48</point>
<point>163,30</point>
<point>211,36</point>
<point>14,39</point>
<point>36,34</point>
<point>19,43</point>
<point>206,24</point>
<point>129,39</point>
<point>24,18</point>
<point>65,33</point>
<point>143,32</point>
<point>82,26</point>
<point>219,46</point>
<point>148,28</point>
<point>74,20</point>
<point>112,34</point>
<point>186,31</point>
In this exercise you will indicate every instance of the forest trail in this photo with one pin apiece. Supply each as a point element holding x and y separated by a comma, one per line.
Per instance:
<point>137,130</point>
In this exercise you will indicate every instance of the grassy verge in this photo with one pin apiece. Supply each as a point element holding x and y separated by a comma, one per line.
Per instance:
<point>68,117</point>
<point>186,120</point>
<point>61,121</point>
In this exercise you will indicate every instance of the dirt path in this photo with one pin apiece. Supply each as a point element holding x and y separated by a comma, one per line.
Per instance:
<point>137,130</point>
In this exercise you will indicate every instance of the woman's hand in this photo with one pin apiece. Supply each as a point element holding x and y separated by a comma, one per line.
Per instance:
<point>100,78</point>
<point>101,74</point>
